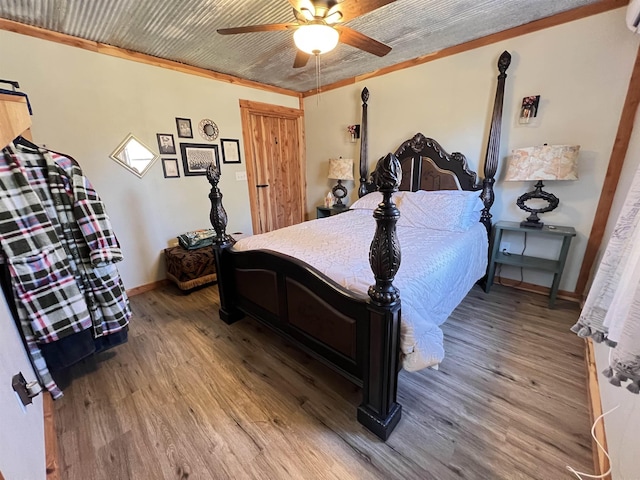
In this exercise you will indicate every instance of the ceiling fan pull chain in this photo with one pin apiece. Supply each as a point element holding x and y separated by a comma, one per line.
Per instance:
<point>317,79</point>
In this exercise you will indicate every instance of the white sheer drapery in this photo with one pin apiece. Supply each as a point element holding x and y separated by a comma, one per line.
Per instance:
<point>612,310</point>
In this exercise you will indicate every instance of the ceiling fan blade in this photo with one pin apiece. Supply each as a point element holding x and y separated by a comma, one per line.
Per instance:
<point>303,16</point>
<point>270,27</point>
<point>301,59</point>
<point>300,4</point>
<point>361,41</point>
<point>351,9</point>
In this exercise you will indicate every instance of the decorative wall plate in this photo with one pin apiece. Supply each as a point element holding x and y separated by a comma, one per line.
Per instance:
<point>208,130</point>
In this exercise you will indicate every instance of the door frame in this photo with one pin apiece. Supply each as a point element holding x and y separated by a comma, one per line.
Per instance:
<point>248,108</point>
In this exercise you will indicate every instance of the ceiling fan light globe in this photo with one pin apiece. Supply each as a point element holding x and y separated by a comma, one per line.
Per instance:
<point>316,39</point>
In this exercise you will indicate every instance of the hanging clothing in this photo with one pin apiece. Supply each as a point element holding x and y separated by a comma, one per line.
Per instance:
<point>60,249</point>
<point>611,313</point>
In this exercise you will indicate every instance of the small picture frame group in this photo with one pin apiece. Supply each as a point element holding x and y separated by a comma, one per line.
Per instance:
<point>230,150</point>
<point>196,158</point>
<point>170,168</point>
<point>184,127</point>
<point>166,145</point>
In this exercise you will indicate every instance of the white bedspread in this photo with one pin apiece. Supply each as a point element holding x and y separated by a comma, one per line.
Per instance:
<point>437,270</point>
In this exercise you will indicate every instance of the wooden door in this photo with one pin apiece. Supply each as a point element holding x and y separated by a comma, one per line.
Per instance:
<point>274,151</point>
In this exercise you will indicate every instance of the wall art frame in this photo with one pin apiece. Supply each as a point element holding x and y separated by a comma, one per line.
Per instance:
<point>184,127</point>
<point>208,129</point>
<point>196,157</point>
<point>170,168</point>
<point>230,150</point>
<point>166,144</point>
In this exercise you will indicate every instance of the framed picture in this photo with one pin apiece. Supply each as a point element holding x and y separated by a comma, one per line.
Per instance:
<point>230,150</point>
<point>166,145</point>
<point>184,128</point>
<point>170,168</point>
<point>529,109</point>
<point>196,157</point>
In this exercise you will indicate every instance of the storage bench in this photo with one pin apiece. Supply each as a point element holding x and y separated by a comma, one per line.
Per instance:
<point>190,268</point>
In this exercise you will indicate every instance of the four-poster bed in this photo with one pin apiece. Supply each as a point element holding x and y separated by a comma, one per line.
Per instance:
<point>356,333</point>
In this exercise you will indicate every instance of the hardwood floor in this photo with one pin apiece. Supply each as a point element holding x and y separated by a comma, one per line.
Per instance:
<point>191,397</point>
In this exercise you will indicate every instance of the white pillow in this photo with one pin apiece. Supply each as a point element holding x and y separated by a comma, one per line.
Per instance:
<point>369,202</point>
<point>452,210</point>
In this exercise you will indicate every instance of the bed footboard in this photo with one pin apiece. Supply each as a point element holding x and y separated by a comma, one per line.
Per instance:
<point>358,336</point>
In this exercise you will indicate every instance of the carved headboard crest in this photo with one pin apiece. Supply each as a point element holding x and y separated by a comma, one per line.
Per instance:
<point>455,162</point>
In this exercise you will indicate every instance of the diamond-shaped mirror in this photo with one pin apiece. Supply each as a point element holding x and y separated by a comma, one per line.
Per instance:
<point>134,155</point>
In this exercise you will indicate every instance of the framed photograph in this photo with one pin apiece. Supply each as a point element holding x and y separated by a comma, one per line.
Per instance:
<point>184,128</point>
<point>170,168</point>
<point>196,157</point>
<point>230,150</point>
<point>166,146</point>
<point>529,109</point>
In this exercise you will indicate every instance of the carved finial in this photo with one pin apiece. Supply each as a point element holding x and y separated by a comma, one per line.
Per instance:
<point>365,95</point>
<point>384,254</point>
<point>388,173</point>
<point>503,62</point>
<point>213,175</point>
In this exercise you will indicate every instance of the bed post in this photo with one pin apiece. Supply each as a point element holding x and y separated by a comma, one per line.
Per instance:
<point>364,153</point>
<point>221,242</point>
<point>379,411</point>
<point>493,147</point>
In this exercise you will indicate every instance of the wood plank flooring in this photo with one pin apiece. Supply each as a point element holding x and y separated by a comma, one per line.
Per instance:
<point>189,397</point>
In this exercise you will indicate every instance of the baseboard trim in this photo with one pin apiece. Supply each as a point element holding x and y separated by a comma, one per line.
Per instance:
<point>530,287</point>
<point>600,461</point>
<point>50,438</point>
<point>147,287</point>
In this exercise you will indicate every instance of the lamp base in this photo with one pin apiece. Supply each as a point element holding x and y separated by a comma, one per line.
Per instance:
<point>530,224</point>
<point>339,192</point>
<point>532,220</point>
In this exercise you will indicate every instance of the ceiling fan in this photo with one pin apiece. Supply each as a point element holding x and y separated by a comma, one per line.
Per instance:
<point>318,28</point>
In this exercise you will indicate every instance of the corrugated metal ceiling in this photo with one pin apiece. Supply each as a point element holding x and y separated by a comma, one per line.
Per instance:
<point>185,31</point>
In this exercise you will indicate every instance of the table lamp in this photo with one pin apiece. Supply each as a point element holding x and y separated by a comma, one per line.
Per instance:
<point>546,162</point>
<point>340,169</point>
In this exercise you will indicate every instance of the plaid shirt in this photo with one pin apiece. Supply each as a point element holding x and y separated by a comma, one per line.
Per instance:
<point>60,249</point>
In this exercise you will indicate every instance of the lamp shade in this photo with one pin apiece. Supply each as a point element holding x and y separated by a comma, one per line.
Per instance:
<point>341,168</point>
<point>546,162</point>
<point>316,38</point>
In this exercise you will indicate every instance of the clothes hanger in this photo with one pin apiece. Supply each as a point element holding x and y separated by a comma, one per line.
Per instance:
<point>25,143</point>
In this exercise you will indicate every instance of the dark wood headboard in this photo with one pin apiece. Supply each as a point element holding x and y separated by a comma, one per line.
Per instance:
<point>426,166</point>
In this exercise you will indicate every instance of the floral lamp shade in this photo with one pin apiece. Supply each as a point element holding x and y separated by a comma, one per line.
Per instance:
<point>341,169</point>
<point>545,162</point>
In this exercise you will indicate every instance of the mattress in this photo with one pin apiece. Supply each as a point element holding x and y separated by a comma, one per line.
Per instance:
<point>437,270</point>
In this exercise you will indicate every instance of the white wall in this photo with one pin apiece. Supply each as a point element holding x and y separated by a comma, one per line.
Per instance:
<point>580,69</point>
<point>623,435</point>
<point>86,103</point>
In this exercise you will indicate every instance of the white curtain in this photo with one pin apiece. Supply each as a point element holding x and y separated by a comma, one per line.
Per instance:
<point>611,313</point>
